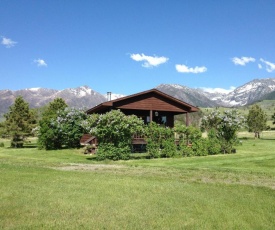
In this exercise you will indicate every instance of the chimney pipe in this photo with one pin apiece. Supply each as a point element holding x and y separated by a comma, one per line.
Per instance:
<point>109,96</point>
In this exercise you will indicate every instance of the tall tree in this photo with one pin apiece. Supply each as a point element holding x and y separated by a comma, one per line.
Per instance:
<point>20,121</point>
<point>273,118</point>
<point>48,136</point>
<point>58,104</point>
<point>256,120</point>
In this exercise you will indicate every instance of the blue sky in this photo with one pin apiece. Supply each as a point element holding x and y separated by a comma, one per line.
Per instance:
<point>127,46</point>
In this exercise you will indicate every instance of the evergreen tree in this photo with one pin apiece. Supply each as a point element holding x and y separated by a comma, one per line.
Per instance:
<point>20,121</point>
<point>256,120</point>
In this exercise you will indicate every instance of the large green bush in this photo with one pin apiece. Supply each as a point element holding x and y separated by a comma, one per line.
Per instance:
<point>109,151</point>
<point>214,145</point>
<point>61,126</point>
<point>160,141</point>
<point>114,131</point>
<point>191,142</point>
<point>49,136</point>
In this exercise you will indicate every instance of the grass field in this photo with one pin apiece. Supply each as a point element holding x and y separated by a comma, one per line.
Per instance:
<point>66,189</point>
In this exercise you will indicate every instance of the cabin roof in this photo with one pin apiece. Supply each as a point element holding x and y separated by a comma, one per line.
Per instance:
<point>133,102</point>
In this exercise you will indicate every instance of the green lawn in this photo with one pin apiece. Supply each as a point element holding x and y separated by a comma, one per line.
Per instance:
<point>66,189</point>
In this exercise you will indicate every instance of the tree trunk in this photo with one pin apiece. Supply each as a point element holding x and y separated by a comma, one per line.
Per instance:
<point>257,135</point>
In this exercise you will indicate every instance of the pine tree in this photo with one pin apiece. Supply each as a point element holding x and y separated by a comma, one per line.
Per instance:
<point>256,120</point>
<point>20,121</point>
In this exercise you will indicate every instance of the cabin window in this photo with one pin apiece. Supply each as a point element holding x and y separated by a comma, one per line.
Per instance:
<point>162,120</point>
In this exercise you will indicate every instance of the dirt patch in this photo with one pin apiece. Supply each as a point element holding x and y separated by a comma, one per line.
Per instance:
<point>88,167</point>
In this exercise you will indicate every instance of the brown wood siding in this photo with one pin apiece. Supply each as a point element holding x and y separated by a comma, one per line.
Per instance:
<point>151,102</point>
<point>84,138</point>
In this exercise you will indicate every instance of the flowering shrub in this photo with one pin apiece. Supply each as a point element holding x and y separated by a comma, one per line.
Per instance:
<point>114,131</point>
<point>64,130</point>
<point>225,125</point>
<point>69,123</point>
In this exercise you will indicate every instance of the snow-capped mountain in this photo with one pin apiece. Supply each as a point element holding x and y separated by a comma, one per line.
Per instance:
<point>195,97</point>
<point>246,94</point>
<point>81,97</point>
<point>85,97</point>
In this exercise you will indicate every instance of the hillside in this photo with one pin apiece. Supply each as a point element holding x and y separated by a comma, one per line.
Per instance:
<point>269,96</point>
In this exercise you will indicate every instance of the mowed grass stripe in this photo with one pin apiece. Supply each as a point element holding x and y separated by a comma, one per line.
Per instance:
<point>49,198</point>
<point>68,190</point>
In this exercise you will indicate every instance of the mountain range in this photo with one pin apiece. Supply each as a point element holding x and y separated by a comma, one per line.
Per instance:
<point>85,97</point>
<point>249,93</point>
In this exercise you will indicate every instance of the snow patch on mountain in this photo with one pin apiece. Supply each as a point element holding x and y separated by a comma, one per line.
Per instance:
<point>35,89</point>
<point>248,93</point>
<point>82,91</point>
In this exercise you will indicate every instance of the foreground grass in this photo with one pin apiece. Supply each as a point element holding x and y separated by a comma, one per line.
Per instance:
<point>68,190</point>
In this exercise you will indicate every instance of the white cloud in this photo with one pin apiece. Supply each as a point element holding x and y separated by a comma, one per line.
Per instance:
<point>40,62</point>
<point>270,67</point>
<point>186,69</point>
<point>219,90</point>
<point>8,42</point>
<point>260,66</point>
<point>149,61</point>
<point>243,60</point>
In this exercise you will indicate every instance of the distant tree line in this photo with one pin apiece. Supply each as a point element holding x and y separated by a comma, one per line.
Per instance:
<point>58,126</point>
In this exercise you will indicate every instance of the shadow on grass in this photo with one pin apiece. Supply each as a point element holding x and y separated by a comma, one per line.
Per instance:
<point>139,156</point>
<point>92,158</point>
<point>252,138</point>
<point>31,145</point>
<point>24,147</point>
<point>133,156</point>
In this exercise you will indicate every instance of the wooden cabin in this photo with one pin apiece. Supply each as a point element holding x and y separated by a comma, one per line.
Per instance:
<point>150,105</point>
